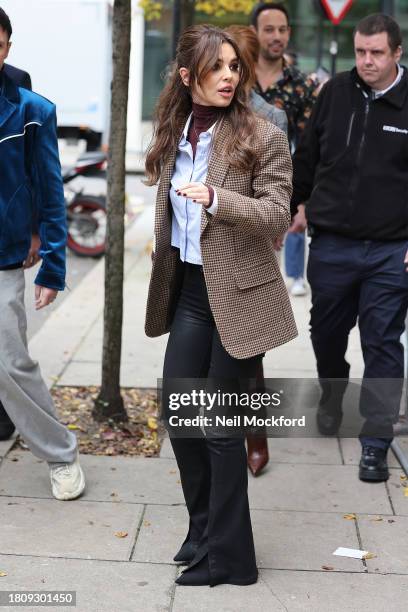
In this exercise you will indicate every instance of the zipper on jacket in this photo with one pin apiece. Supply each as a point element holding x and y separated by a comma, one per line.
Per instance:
<point>350,128</point>
<point>362,141</point>
<point>361,146</point>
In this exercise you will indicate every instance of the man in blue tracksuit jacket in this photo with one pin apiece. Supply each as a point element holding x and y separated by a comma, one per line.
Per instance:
<point>31,198</point>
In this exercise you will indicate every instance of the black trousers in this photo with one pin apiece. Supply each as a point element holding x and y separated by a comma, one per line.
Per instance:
<point>362,280</point>
<point>213,470</point>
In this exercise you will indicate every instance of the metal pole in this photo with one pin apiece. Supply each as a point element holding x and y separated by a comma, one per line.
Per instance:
<point>319,53</point>
<point>388,7</point>
<point>400,455</point>
<point>334,47</point>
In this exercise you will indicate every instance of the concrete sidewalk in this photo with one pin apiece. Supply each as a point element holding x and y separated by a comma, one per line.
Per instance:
<point>298,504</point>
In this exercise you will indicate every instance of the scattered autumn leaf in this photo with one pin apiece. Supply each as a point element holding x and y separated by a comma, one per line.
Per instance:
<point>327,568</point>
<point>121,534</point>
<point>73,427</point>
<point>350,517</point>
<point>2,574</point>
<point>377,519</point>
<point>369,555</point>
<point>146,523</point>
<point>152,423</point>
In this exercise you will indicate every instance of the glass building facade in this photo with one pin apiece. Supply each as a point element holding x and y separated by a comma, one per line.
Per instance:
<point>311,37</point>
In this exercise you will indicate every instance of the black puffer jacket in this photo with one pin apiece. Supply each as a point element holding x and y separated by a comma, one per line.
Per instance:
<point>351,165</point>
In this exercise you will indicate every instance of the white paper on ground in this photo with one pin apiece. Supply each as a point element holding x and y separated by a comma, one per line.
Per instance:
<point>353,553</point>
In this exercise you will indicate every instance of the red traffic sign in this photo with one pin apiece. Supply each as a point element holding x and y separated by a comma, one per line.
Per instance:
<point>336,9</point>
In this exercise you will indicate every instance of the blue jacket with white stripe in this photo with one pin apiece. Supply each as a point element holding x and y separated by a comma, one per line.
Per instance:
<point>30,182</point>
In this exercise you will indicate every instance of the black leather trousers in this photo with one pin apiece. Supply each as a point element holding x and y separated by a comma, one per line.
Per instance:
<point>213,470</point>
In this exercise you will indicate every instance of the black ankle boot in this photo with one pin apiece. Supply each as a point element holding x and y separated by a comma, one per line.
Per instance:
<point>186,553</point>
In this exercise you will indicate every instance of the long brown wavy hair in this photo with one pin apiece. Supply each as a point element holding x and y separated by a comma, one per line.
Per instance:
<point>198,51</point>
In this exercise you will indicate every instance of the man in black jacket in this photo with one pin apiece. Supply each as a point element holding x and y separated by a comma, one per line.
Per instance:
<point>351,167</point>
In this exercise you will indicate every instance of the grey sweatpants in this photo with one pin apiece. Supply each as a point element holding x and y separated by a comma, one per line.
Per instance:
<point>23,392</point>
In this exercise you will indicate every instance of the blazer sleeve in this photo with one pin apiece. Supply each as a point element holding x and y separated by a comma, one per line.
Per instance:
<point>267,212</point>
<point>51,212</point>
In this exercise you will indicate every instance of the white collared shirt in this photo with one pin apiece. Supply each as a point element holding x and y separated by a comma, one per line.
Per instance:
<point>186,214</point>
<point>378,94</point>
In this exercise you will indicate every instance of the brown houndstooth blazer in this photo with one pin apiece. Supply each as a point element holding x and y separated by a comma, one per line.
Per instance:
<point>247,294</point>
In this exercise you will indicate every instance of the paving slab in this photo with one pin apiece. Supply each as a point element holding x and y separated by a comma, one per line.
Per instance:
<point>101,586</point>
<point>109,479</point>
<point>303,540</point>
<point>317,488</point>
<point>68,529</point>
<point>336,591</point>
<point>397,492</point>
<point>162,532</point>
<point>283,540</point>
<point>351,450</point>
<point>388,541</point>
<point>323,451</point>
<point>88,373</point>
<point>227,598</point>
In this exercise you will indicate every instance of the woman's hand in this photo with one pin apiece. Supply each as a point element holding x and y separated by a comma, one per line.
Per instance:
<point>197,192</point>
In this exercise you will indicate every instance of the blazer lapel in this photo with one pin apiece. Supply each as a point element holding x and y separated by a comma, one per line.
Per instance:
<point>217,166</point>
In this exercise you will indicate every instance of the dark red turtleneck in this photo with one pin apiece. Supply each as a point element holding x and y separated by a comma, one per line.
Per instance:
<point>203,118</point>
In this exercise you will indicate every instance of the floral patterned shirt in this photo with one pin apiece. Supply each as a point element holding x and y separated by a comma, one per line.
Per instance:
<point>296,94</point>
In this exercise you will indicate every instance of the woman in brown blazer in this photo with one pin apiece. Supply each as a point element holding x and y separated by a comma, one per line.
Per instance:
<point>224,190</point>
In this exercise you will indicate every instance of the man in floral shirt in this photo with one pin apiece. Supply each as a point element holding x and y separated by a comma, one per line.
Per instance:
<point>278,82</point>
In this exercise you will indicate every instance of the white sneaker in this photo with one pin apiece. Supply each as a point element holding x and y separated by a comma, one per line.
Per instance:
<point>298,288</point>
<point>67,480</point>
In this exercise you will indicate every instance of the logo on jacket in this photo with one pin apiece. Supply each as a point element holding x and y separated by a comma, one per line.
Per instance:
<point>391,128</point>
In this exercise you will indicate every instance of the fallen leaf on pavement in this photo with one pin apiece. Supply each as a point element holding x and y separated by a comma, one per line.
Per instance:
<point>2,574</point>
<point>369,556</point>
<point>376,520</point>
<point>121,534</point>
<point>350,517</point>
<point>327,568</point>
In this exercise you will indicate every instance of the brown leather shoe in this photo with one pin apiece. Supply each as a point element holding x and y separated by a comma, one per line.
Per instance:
<point>258,455</point>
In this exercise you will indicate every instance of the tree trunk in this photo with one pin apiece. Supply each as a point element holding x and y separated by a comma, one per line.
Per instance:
<point>109,403</point>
